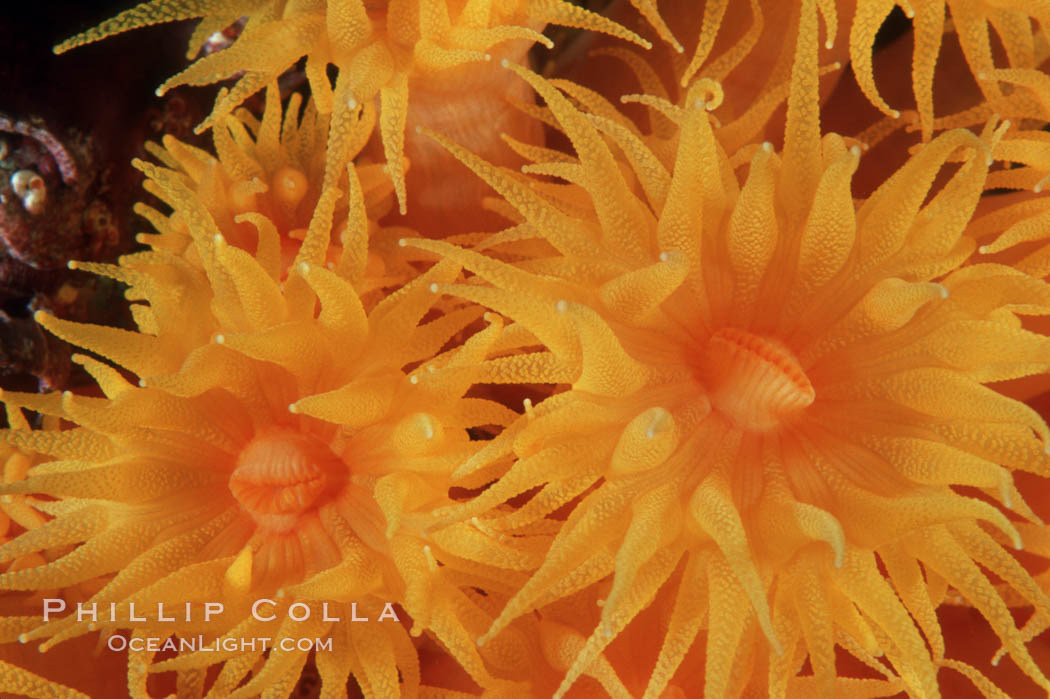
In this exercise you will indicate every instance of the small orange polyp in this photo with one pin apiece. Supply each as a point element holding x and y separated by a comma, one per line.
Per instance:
<point>754,381</point>
<point>289,186</point>
<point>282,474</point>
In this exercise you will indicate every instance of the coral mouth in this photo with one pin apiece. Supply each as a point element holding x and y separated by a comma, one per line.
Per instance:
<point>282,474</point>
<point>754,381</point>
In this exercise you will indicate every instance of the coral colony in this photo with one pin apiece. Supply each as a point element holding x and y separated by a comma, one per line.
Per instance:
<point>533,348</point>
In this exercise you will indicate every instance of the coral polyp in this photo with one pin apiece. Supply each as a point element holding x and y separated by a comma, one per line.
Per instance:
<point>770,401</point>
<point>267,180</point>
<point>262,451</point>
<point>384,54</point>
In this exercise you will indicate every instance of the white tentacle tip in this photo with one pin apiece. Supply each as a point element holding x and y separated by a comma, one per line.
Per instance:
<point>840,556</point>
<point>660,421</point>
<point>562,306</point>
<point>219,339</point>
<point>433,287</point>
<point>432,563</point>
<point>293,409</point>
<point>767,146</point>
<point>428,430</point>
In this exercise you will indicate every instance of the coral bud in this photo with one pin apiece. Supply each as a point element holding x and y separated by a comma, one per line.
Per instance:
<point>289,186</point>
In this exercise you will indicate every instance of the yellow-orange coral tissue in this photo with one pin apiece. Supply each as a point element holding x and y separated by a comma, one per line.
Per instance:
<point>728,403</point>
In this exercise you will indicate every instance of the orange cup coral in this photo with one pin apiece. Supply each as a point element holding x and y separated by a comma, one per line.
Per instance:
<point>772,449</point>
<point>384,51</point>
<point>267,452</point>
<point>776,395</point>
